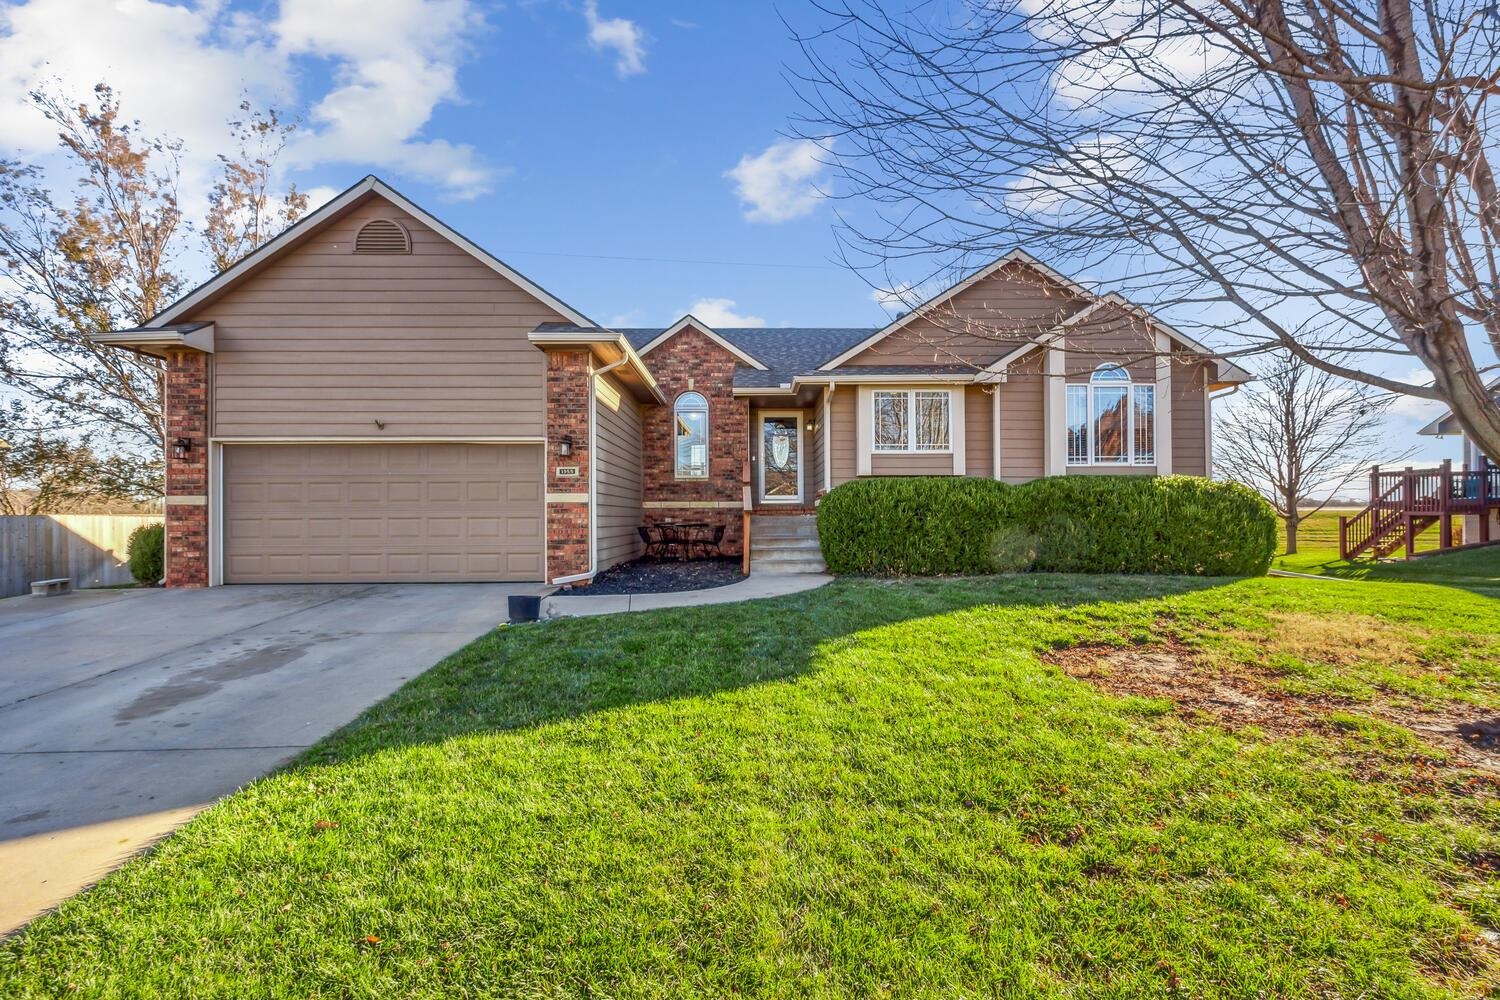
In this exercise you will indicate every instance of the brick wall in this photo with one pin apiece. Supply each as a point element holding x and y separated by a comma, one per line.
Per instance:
<point>568,416</point>
<point>691,362</point>
<point>185,405</point>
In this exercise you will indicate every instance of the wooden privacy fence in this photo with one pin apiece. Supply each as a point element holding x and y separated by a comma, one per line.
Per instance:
<point>88,549</point>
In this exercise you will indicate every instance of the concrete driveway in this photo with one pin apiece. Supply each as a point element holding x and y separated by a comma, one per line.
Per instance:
<point>122,713</point>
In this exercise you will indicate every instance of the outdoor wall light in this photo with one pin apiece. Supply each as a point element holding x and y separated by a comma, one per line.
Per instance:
<point>566,447</point>
<point>183,446</point>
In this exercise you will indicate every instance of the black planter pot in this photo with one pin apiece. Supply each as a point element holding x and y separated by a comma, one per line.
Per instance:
<point>525,607</point>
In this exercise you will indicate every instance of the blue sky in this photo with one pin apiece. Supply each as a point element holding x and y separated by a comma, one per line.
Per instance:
<point>553,132</point>
<point>536,128</point>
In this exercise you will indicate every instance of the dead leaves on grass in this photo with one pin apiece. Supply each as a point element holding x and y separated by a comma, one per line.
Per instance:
<point>1238,696</point>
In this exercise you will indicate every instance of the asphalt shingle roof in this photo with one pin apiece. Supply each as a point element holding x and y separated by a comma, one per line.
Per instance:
<point>785,351</point>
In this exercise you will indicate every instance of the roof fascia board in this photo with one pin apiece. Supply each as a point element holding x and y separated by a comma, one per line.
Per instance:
<point>924,308</point>
<point>594,341</point>
<point>1228,372</point>
<point>306,226</point>
<point>697,324</point>
<point>150,341</point>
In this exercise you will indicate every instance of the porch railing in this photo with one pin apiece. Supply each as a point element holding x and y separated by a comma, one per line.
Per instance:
<point>1405,502</point>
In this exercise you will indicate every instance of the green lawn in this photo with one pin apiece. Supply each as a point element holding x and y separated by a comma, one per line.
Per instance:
<point>1318,553</point>
<point>876,789</point>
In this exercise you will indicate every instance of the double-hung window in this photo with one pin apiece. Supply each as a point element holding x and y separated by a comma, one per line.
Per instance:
<point>1111,420</point>
<point>913,420</point>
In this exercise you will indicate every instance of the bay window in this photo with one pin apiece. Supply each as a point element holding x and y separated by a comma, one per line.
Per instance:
<point>913,420</point>
<point>1111,420</point>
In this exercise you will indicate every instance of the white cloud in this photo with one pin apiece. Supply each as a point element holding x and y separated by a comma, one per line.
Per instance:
<point>1416,408</point>
<point>624,37</point>
<point>182,69</point>
<point>720,312</point>
<point>391,69</point>
<point>781,183</point>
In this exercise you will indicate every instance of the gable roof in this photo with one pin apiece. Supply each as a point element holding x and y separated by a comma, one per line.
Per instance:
<point>784,351</point>
<point>697,324</point>
<point>1228,372</point>
<point>310,223</point>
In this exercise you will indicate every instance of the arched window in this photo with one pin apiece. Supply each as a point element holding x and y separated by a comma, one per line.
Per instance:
<point>1111,419</point>
<point>690,423</point>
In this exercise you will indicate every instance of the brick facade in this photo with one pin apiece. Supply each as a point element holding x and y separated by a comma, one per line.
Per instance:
<point>688,362</point>
<point>185,406</point>
<point>568,374</point>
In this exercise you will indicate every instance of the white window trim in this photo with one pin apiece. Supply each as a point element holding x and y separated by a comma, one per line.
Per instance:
<point>707,412</point>
<point>1130,387</point>
<point>911,424</point>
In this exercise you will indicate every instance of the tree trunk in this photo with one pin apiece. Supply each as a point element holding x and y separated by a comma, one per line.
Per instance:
<point>1292,520</point>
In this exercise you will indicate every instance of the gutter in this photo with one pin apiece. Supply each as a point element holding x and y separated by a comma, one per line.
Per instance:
<point>593,569</point>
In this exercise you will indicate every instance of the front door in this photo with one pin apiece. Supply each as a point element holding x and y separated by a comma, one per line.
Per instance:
<point>781,457</point>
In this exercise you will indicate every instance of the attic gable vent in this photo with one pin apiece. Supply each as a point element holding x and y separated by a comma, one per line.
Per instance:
<point>382,236</point>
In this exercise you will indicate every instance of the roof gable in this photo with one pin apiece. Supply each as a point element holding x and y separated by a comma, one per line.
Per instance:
<point>691,321</point>
<point>334,209</point>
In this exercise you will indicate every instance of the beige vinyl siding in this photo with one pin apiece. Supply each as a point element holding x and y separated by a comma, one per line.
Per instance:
<point>619,473</point>
<point>978,325</point>
<point>1110,337</point>
<point>1022,421</point>
<point>1189,429</point>
<point>322,342</point>
<point>816,448</point>
<point>979,438</point>
<point>842,436</point>
<point>911,465</point>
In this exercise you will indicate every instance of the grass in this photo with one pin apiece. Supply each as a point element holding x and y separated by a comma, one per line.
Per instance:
<point>1318,554</point>
<point>876,789</point>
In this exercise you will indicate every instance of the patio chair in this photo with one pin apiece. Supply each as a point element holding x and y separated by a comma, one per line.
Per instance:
<point>710,541</point>
<point>651,536</point>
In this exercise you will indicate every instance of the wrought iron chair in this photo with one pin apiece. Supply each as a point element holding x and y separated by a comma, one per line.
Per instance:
<point>710,541</point>
<point>652,537</point>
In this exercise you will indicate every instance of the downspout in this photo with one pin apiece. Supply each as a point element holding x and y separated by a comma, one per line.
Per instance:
<point>593,481</point>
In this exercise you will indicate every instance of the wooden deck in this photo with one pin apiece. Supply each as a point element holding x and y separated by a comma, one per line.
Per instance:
<point>1406,502</point>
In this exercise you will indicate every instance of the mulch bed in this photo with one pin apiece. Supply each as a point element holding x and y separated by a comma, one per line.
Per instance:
<point>657,576</point>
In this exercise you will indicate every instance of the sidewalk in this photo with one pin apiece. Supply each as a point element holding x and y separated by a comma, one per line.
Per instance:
<point>752,587</point>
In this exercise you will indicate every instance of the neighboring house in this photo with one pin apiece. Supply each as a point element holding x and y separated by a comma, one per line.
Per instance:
<point>1474,460</point>
<point>372,397</point>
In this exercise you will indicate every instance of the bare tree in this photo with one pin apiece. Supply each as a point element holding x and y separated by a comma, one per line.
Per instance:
<point>243,212</point>
<point>47,473</point>
<point>1307,177</point>
<point>1300,436</point>
<point>110,257</point>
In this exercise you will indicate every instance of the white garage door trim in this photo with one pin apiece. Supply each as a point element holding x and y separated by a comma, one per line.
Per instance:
<point>216,539</point>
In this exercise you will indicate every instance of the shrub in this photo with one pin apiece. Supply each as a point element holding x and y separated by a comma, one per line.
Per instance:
<point>1068,524</point>
<point>918,526</point>
<point>147,552</point>
<point>1146,524</point>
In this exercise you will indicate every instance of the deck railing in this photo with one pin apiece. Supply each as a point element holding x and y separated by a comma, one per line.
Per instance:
<point>1409,500</point>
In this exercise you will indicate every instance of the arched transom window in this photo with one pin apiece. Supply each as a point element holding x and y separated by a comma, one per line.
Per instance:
<point>1111,419</point>
<point>690,423</point>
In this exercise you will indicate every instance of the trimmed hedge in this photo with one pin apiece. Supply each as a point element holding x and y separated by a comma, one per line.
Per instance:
<point>926,526</point>
<point>147,553</point>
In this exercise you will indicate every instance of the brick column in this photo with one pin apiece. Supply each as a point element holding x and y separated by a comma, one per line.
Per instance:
<point>568,497</point>
<point>185,403</point>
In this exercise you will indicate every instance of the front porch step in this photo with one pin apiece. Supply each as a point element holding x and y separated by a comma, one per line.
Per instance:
<point>785,543</point>
<point>780,564</point>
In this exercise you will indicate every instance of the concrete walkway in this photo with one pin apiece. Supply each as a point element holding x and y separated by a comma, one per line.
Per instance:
<point>124,712</point>
<point>755,586</point>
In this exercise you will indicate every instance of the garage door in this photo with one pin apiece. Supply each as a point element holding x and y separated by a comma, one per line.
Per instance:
<point>370,513</point>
